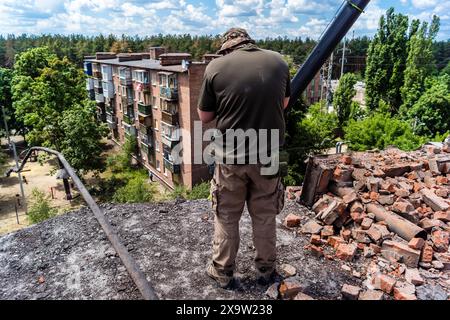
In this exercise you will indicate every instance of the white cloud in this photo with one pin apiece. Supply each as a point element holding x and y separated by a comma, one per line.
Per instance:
<point>423,4</point>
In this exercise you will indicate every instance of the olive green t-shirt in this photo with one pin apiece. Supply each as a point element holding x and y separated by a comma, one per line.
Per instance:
<point>246,90</point>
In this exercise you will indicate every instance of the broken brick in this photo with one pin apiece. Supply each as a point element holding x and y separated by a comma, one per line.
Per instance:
<point>386,199</point>
<point>334,241</point>
<point>427,253</point>
<point>404,291</point>
<point>346,234</point>
<point>366,223</point>
<point>413,276</point>
<point>383,282</point>
<point>402,193</point>
<point>289,288</point>
<point>441,180</point>
<point>327,231</point>
<point>371,295</point>
<point>292,221</point>
<point>440,240</point>
<point>350,292</point>
<point>316,240</point>
<point>357,207</point>
<point>416,243</point>
<point>443,216</point>
<point>316,251</point>
<point>403,206</point>
<point>346,159</point>
<point>360,236</point>
<point>434,201</point>
<point>303,297</point>
<point>409,256</point>
<point>351,197</point>
<point>311,227</point>
<point>346,252</point>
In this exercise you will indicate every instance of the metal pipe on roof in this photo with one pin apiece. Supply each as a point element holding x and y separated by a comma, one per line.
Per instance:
<point>136,274</point>
<point>349,13</point>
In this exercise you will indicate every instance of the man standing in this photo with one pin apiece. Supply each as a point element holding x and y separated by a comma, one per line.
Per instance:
<point>246,89</point>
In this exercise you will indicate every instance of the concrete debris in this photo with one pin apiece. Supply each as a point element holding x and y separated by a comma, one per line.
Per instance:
<point>350,292</point>
<point>371,295</point>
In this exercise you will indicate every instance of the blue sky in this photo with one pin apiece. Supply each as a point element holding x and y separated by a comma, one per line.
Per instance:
<point>262,18</point>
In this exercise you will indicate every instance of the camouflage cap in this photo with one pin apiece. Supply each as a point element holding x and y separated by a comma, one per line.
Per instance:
<point>234,37</point>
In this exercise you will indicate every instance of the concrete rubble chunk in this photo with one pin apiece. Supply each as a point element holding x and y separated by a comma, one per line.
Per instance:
<point>434,201</point>
<point>288,270</point>
<point>413,276</point>
<point>416,243</point>
<point>383,282</point>
<point>371,295</point>
<point>443,216</point>
<point>440,240</point>
<point>409,256</point>
<point>350,292</point>
<point>431,292</point>
<point>311,227</point>
<point>404,291</point>
<point>272,291</point>
<point>303,297</point>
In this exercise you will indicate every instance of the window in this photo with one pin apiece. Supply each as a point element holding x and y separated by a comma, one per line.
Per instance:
<point>154,103</point>
<point>158,165</point>
<point>154,78</point>
<point>120,107</point>
<point>141,76</point>
<point>123,91</point>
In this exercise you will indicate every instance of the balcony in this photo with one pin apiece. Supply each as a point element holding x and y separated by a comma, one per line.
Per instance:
<point>144,109</point>
<point>168,93</point>
<point>129,130</point>
<point>169,118</point>
<point>145,129</point>
<point>174,168</point>
<point>99,97</point>
<point>98,84</point>
<point>110,109</point>
<point>111,120</point>
<point>97,75</point>
<point>89,84</point>
<point>127,100</point>
<point>108,89</point>
<point>146,139</point>
<point>126,82</point>
<point>91,94</point>
<point>88,69</point>
<point>128,119</point>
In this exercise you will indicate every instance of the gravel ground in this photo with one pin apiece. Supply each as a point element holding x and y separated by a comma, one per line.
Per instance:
<point>69,257</point>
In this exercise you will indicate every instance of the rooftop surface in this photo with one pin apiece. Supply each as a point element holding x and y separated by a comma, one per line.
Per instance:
<point>142,64</point>
<point>69,257</point>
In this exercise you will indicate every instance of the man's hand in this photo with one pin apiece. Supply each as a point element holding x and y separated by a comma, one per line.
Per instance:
<point>205,116</point>
<point>286,102</point>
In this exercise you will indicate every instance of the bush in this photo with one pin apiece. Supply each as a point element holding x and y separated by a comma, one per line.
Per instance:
<point>379,131</point>
<point>137,190</point>
<point>122,161</point>
<point>200,191</point>
<point>40,209</point>
<point>308,134</point>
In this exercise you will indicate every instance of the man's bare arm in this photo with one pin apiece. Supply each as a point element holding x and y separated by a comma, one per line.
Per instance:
<point>205,116</point>
<point>286,102</point>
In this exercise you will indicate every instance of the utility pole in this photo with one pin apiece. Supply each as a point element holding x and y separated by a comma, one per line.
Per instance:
<point>344,50</point>
<point>12,145</point>
<point>330,75</point>
<point>6,127</point>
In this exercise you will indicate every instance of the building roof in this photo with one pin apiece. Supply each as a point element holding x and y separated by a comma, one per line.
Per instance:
<point>141,64</point>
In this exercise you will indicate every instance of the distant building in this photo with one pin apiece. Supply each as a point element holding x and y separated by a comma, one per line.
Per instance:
<point>149,96</point>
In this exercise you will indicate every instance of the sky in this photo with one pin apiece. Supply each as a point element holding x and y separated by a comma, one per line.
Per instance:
<point>262,18</point>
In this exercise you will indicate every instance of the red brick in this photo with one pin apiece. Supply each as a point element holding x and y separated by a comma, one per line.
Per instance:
<point>443,216</point>
<point>383,282</point>
<point>376,248</point>
<point>350,292</point>
<point>404,291</point>
<point>403,206</point>
<point>440,240</point>
<point>289,288</point>
<point>402,193</point>
<point>292,221</point>
<point>346,252</point>
<point>327,231</point>
<point>346,234</point>
<point>351,197</point>
<point>343,174</point>
<point>357,216</point>
<point>416,243</point>
<point>434,201</point>
<point>347,160</point>
<point>427,253</point>
<point>374,196</point>
<point>366,223</point>
<point>316,251</point>
<point>409,256</point>
<point>386,199</point>
<point>334,241</point>
<point>441,180</point>
<point>316,240</point>
<point>443,193</point>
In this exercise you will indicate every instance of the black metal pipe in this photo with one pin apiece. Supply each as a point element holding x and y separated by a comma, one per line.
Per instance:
<point>136,274</point>
<point>334,34</point>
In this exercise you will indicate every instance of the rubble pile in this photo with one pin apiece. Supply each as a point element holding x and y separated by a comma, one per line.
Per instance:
<point>388,209</point>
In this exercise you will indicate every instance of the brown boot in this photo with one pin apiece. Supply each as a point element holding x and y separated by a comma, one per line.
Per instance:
<point>267,276</point>
<point>225,281</point>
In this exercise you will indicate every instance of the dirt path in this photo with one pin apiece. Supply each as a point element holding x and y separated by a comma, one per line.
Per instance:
<point>37,176</point>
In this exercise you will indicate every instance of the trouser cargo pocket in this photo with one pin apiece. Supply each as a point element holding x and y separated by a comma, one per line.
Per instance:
<point>280,196</point>
<point>214,196</point>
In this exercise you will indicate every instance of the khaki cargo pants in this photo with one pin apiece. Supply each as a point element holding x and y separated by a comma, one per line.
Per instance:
<point>231,188</point>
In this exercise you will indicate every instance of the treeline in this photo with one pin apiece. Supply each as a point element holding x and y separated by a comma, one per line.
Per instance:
<point>75,47</point>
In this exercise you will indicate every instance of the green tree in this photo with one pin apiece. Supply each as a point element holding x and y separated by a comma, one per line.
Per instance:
<point>431,113</point>
<point>40,209</point>
<point>380,130</point>
<point>343,98</point>
<point>419,64</point>
<point>386,61</point>
<point>137,190</point>
<point>6,100</point>
<point>81,143</point>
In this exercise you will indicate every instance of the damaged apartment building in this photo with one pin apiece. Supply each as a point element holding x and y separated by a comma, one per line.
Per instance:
<point>150,96</point>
